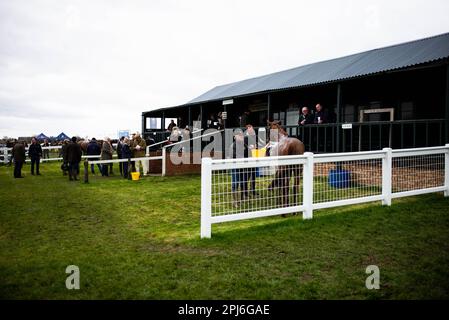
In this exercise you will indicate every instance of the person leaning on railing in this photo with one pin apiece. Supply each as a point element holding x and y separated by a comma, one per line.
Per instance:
<point>305,117</point>
<point>321,115</point>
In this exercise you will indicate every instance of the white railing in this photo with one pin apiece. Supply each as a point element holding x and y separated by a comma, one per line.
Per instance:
<point>237,189</point>
<point>147,149</point>
<point>6,155</point>
<point>183,142</point>
<point>123,160</point>
<point>142,159</point>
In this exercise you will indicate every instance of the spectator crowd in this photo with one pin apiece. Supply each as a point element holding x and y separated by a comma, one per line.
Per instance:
<point>71,152</point>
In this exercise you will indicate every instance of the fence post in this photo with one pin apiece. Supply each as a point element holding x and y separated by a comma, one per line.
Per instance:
<point>5,155</point>
<point>164,161</point>
<point>86,171</point>
<point>446,171</point>
<point>206,195</point>
<point>308,187</point>
<point>387,165</point>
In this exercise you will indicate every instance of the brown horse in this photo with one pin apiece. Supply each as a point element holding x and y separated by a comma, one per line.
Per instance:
<point>285,146</point>
<point>83,144</point>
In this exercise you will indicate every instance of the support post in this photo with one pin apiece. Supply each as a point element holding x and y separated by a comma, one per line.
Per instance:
<point>206,195</point>
<point>446,130</point>
<point>86,171</point>
<point>308,187</point>
<point>164,161</point>
<point>338,114</point>
<point>5,156</point>
<point>268,109</point>
<point>201,116</point>
<point>189,122</point>
<point>387,165</point>
<point>225,120</point>
<point>446,171</point>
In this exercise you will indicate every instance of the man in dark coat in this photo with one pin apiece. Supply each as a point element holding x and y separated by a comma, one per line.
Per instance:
<point>321,115</point>
<point>94,149</point>
<point>65,164</point>
<point>35,154</point>
<point>120,154</point>
<point>305,117</point>
<point>18,153</point>
<point>126,154</point>
<point>74,153</point>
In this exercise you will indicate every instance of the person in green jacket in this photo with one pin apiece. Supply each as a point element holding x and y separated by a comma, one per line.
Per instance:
<point>138,149</point>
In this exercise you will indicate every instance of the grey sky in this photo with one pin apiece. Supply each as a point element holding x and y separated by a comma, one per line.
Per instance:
<point>90,68</point>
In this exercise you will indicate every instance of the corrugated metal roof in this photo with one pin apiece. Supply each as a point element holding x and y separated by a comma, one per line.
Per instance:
<point>361,64</point>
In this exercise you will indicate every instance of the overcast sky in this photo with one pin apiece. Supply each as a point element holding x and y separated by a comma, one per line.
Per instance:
<point>91,67</point>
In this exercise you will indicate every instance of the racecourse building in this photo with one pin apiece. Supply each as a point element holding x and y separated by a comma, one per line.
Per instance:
<point>396,96</point>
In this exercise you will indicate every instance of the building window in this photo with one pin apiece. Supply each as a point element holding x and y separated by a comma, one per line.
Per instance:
<point>153,123</point>
<point>279,116</point>
<point>168,121</point>
<point>349,113</point>
<point>407,111</point>
<point>292,119</point>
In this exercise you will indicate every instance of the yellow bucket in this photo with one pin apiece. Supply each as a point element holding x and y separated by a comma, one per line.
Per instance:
<point>135,175</point>
<point>258,153</point>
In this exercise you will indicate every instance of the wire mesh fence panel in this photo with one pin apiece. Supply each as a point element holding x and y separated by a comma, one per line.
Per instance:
<point>343,180</point>
<point>252,189</point>
<point>418,172</point>
<point>236,189</point>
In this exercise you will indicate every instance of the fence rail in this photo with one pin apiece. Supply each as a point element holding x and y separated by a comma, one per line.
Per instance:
<point>88,163</point>
<point>360,136</point>
<point>6,156</point>
<point>237,189</point>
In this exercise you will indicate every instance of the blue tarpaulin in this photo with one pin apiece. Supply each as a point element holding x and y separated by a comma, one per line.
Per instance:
<point>62,136</point>
<point>42,137</point>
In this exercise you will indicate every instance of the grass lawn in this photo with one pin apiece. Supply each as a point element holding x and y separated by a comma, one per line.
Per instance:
<point>140,240</point>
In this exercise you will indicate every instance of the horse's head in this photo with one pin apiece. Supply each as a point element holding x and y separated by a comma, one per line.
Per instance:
<point>277,125</point>
<point>274,124</point>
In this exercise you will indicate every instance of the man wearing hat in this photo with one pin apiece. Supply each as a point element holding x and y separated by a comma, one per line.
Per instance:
<point>138,148</point>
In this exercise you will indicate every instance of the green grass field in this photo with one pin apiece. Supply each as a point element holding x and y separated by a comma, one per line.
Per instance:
<point>140,240</point>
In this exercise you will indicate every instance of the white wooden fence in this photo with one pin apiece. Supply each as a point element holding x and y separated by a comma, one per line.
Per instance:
<point>6,154</point>
<point>237,189</point>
